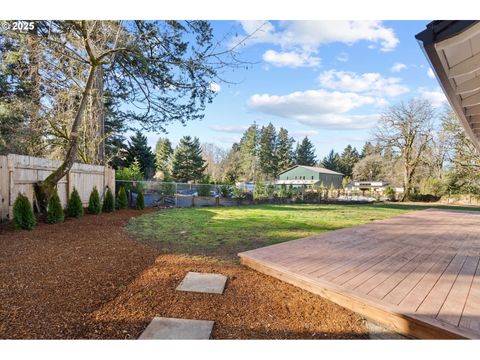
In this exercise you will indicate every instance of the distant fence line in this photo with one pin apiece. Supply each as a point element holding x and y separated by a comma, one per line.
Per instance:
<point>19,173</point>
<point>158,193</point>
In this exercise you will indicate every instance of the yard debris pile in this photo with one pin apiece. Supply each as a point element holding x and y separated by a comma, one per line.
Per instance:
<point>86,279</point>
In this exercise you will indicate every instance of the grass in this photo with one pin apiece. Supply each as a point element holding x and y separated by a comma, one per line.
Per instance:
<point>224,232</point>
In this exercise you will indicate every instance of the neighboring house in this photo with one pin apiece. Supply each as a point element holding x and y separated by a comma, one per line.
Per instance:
<point>377,186</point>
<point>303,176</point>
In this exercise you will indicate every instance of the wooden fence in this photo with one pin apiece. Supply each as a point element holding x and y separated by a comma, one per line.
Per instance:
<point>19,173</point>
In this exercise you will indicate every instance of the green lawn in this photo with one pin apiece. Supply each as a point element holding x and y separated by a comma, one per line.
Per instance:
<point>226,231</point>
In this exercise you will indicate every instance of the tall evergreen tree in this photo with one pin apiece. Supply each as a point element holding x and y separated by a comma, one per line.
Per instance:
<point>305,153</point>
<point>114,128</point>
<point>332,161</point>
<point>348,159</point>
<point>285,152</point>
<point>267,158</point>
<point>249,152</point>
<point>187,161</point>
<point>163,157</point>
<point>139,149</point>
<point>368,149</point>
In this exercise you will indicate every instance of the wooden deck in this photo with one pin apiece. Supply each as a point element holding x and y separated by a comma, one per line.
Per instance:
<point>417,273</point>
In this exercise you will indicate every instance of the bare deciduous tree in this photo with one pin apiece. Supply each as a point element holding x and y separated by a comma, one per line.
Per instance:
<point>407,129</point>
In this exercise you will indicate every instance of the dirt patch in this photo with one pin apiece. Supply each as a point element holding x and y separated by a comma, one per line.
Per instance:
<point>86,279</point>
<point>253,306</point>
<point>54,277</point>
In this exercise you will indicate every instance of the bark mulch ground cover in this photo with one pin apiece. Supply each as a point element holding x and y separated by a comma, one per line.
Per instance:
<point>86,278</point>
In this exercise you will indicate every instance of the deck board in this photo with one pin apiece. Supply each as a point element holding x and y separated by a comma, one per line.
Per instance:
<point>417,273</point>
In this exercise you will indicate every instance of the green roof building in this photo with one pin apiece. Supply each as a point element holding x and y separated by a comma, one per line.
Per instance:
<point>303,176</point>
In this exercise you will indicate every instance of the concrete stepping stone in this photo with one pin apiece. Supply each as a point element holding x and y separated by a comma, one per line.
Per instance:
<point>203,283</point>
<point>161,328</point>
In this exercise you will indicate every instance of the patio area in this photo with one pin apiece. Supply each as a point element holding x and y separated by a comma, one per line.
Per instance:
<point>417,274</point>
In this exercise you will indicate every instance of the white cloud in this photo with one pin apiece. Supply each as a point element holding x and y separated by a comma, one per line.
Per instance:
<point>215,87</point>
<point>430,73</point>
<point>234,129</point>
<point>368,83</point>
<point>436,97</point>
<point>316,107</point>
<point>343,57</point>
<point>397,67</point>
<point>291,58</point>
<point>311,101</point>
<point>309,35</point>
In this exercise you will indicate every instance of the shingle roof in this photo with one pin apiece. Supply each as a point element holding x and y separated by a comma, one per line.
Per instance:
<point>317,169</point>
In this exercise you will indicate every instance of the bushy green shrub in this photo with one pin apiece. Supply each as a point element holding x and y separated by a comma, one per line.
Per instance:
<point>55,212</point>
<point>94,205</point>
<point>261,192</point>
<point>108,202</point>
<point>389,193</point>
<point>168,188</point>
<point>23,216</point>
<point>122,201</point>
<point>204,190</point>
<point>225,191</point>
<point>238,193</point>
<point>131,177</point>
<point>74,205</point>
<point>140,201</point>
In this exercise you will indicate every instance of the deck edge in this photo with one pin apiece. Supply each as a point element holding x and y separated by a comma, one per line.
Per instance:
<point>406,324</point>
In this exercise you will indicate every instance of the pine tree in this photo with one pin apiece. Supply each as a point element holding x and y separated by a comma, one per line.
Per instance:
<point>108,202</point>
<point>55,212</point>
<point>94,205</point>
<point>187,161</point>
<point>138,149</point>
<point>267,159</point>
<point>348,159</point>
<point>285,154</point>
<point>368,149</point>
<point>74,205</point>
<point>122,201</point>
<point>248,151</point>
<point>163,156</point>
<point>23,216</point>
<point>305,153</point>
<point>140,200</point>
<point>332,161</point>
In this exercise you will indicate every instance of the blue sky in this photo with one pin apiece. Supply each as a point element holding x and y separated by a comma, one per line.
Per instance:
<point>329,80</point>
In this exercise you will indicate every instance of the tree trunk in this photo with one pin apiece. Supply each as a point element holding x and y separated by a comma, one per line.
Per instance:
<point>45,189</point>
<point>407,181</point>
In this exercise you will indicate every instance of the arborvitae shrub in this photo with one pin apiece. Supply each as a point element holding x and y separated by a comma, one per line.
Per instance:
<point>94,205</point>
<point>74,205</point>
<point>23,216</point>
<point>122,201</point>
<point>108,202</point>
<point>55,212</point>
<point>140,200</point>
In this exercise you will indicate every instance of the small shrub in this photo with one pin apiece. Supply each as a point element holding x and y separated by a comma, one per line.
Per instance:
<point>55,212</point>
<point>108,202</point>
<point>389,193</point>
<point>140,201</point>
<point>204,190</point>
<point>23,216</point>
<point>225,191</point>
<point>238,193</point>
<point>168,188</point>
<point>94,205</point>
<point>122,201</point>
<point>74,205</point>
